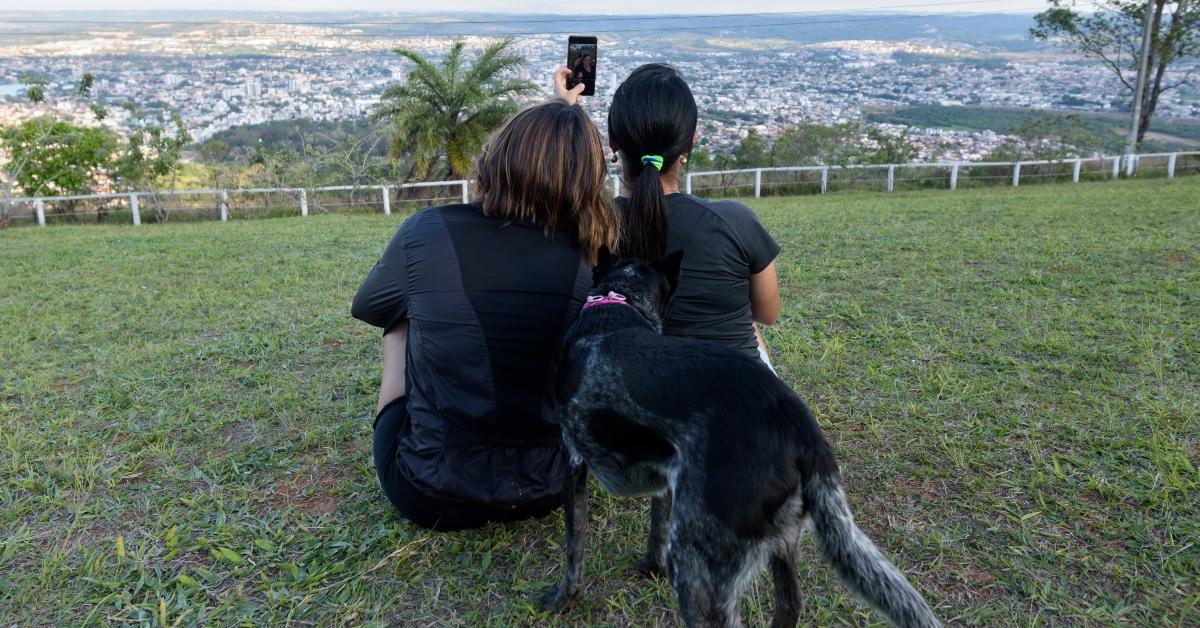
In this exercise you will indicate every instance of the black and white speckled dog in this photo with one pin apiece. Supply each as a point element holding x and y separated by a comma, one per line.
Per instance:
<point>737,464</point>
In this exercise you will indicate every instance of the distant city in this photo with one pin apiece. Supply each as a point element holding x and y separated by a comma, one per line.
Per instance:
<point>271,72</point>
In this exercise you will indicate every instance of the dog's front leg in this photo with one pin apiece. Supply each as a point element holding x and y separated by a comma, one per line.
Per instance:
<point>655,562</point>
<point>575,507</point>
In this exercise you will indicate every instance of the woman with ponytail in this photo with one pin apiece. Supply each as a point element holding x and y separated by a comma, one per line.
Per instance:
<point>728,280</point>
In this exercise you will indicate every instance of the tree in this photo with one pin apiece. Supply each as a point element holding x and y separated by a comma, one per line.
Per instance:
<point>889,149</point>
<point>817,144</point>
<point>35,87</point>
<point>31,160</point>
<point>1113,35</point>
<point>445,111</point>
<point>48,157</point>
<point>151,153</point>
<point>700,159</point>
<point>753,151</point>
<point>1049,137</point>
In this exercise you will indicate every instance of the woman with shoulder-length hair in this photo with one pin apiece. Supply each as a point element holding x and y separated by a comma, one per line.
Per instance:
<point>473,300</point>
<point>727,282</point>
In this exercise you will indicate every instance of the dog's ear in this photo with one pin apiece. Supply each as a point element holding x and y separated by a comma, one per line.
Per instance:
<point>669,267</point>
<point>604,263</point>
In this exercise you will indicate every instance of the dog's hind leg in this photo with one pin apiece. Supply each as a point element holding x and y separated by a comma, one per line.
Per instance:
<point>656,543</point>
<point>575,511</point>
<point>787,586</point>
<point>705,580</point>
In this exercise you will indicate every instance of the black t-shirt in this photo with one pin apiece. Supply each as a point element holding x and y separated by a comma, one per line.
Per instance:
<point>487,302</point>
<point>723,243</point>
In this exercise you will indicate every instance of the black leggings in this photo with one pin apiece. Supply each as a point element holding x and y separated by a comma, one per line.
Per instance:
<point>392,425</point>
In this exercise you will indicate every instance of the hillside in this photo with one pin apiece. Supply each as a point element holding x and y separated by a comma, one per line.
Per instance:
<point>1172,133</point>
<point>1008,377</point>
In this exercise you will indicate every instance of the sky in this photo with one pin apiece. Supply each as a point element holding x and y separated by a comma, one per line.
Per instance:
<point>625,7</point>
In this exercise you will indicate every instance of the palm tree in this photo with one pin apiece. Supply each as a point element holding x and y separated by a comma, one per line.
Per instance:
<point>447,110</point>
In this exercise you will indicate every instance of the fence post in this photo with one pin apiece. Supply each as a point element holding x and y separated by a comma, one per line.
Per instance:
<point>757,182</point>
<point>466,188</point>
<point>891,178</point>
<point>1171,166</point>
<point>133,208</point>
<point>954,177</point>
<point>1116,173</point>
<point>41,212</point>
<point>1075,174</point>
<point>1016,174</point>
<point>303,202</point>
<point>224,206</point>
<point>688,184</point>
<point>387,200</point>
<point>824,180</point>
<point>1129,164</point>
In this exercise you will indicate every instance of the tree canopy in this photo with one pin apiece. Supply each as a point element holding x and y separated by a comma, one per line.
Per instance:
<point>1113,34</point>
<point>48,156</point>
<point>444,111</point>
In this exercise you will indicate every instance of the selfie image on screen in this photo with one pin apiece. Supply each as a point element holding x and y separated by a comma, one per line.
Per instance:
<point>581,60</point>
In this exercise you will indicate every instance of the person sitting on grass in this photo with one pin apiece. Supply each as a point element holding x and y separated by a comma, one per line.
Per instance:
<point>474,300</point>
<point>727,283</point>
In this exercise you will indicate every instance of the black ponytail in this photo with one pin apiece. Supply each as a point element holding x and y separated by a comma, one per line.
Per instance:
<point>653,115</point>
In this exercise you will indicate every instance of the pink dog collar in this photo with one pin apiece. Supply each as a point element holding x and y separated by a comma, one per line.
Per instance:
<point>598,300</point>
<point>613,298</point>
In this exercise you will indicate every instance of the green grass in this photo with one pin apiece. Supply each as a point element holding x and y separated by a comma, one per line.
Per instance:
<point>1011,378</point>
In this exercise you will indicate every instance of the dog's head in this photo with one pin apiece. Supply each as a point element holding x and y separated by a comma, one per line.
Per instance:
<point>648,287</point>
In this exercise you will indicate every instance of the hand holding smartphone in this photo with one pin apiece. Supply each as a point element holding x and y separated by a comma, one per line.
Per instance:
<point>582,56</point>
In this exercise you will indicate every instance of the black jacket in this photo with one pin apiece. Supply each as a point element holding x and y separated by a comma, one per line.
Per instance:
<point>487,302</point>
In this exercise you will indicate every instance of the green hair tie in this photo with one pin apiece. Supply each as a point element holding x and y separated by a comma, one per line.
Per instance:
<point>653,160</point>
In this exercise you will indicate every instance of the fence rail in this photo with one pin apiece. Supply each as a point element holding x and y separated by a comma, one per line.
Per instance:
<point>793,180</point>
<point>823,178</point>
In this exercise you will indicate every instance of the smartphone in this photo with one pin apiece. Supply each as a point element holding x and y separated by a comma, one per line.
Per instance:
<point>582,54</point>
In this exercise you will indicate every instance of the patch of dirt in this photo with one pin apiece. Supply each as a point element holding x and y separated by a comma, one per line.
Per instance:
<point>1167,137</point>
<point>1178,258</point>
<point>238,432</point>
<point>138,476</point>
<point>311,492</point>
<point>331,344</point>
<point>930,489</point>
<point>65,384</point>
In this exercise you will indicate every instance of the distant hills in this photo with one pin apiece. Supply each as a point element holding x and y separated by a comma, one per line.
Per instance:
<point>1005,31</point>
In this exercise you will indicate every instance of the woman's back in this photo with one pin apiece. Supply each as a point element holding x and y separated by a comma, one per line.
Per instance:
<point>487,301</point>
<point>724,244</point>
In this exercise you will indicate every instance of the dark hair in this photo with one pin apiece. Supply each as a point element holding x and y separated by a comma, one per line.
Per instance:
<point>652,113</point>
<point>546,166</point>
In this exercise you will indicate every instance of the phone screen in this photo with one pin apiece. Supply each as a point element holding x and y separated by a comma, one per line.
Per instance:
<point>582,54</point>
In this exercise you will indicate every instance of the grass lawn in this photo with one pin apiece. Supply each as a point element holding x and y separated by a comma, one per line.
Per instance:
<point>1011,378</point>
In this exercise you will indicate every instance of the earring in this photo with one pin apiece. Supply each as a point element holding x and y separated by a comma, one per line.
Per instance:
<point>683,159</point>
<point>613,158</point>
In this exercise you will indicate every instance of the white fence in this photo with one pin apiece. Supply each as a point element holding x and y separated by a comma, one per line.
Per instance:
<point>822,179</point>
<point>133,202</point>
<point>226,203</point>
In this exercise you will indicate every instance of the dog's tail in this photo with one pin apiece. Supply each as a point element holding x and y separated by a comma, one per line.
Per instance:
<point>856,559</point>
